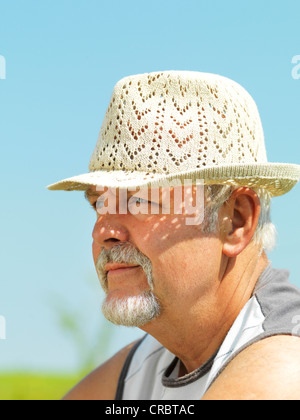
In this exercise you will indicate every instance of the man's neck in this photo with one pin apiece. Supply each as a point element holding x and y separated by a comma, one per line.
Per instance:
<point>197,334</point>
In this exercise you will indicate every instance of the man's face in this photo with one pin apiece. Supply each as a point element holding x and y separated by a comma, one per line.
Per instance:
<point>153,265</point>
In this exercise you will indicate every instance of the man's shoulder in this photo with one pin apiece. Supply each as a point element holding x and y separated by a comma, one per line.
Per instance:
<point>267,370</point>
<point>102,383</point>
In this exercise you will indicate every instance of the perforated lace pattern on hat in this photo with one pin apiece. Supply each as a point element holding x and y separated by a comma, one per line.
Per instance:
<point>163,122</point>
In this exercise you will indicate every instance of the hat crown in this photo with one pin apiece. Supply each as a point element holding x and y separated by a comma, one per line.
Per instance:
<point>177,121</point>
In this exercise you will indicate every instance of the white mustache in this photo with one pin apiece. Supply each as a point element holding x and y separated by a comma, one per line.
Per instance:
<point>123,253</point>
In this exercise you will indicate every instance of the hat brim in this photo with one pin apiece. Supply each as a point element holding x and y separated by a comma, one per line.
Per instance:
<point>277,178</point>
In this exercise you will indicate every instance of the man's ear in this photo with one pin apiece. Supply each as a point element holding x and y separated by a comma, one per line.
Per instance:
<point>238,220</point>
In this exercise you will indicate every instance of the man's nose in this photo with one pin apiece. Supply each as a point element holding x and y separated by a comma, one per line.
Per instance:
<point>108,230</point>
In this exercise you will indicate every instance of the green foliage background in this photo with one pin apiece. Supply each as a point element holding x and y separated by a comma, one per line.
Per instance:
<point>91,350</point>
<point>30,386</point>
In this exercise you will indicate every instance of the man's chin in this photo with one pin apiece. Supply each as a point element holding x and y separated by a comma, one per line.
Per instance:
<point>131,311</point>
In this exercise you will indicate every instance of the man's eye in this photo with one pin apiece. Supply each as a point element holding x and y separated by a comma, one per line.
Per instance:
<point>97,204</point>
<point>139,200</point>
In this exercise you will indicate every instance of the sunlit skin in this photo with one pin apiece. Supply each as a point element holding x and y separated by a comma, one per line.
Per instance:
<point>202,281</point>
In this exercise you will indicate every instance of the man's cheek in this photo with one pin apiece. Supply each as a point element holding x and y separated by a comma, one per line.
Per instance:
<point>96,249</point>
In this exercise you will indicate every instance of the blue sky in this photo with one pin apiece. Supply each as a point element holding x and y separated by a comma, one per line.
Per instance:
<point>62,61</point>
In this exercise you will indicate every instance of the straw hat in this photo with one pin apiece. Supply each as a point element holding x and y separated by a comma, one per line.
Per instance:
<point>181,125</point>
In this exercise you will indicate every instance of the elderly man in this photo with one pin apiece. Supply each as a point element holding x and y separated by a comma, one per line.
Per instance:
<point>181,187</point>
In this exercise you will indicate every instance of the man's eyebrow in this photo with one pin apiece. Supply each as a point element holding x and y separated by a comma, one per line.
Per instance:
<point>89,194</point>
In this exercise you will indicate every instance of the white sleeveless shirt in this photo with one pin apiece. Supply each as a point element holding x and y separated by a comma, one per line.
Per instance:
<point>151,371</point>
